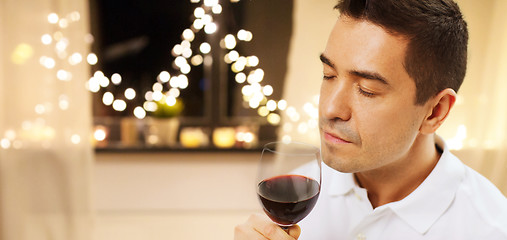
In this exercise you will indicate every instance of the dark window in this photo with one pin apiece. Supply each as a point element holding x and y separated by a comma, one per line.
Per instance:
<point>136,40</point>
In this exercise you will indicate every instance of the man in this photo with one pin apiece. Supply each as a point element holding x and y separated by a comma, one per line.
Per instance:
<point>391,72</point>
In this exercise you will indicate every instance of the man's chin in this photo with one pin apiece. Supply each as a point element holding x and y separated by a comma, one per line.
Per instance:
<point>339,164</point>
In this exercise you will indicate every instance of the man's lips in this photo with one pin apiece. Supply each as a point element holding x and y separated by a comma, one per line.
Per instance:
<point>334,138</point>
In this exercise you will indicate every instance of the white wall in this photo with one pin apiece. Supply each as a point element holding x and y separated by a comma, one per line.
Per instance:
<point>173,195</point>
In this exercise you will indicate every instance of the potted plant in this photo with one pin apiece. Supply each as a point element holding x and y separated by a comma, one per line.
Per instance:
<point>163,124</point>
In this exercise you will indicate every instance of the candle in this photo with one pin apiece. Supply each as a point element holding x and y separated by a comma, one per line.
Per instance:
<point>224,137</point>
<point>193,137</point>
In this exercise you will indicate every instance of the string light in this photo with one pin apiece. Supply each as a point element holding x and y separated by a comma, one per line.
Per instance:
<point>271,105</point>
<point>282,104</point>
<point>230,41</point>
<point>170,100</point>
<point>103,81</point>
<point>75,58</point>
<point>233,55</point>
<point>302,128</point>
<point>139,113</point>
<point>267,90</point>
<point>205,48</point>
<point>74,16</point>
<point>107,98</point>
<point>130,93</point>
<point>198,24</point>
<point>63,102</point>
<point>174,92</point>
<point>274,118</point>
<point>164,76</point>
<point>46,39</point>
<point>245,35</point>
<point>252,61</point>
<point>150,106</point>
<point>206,19</point>
<point>188,35</point>
<point>62,44</point>
<point>92,59</point>
<point>240,77</point>
<point>100,133</point>
<point>157,96</point>
<point>47,62</point>
<point>210,3</point>
<point>217,9</point>
<point>157,87</point>
<point>210,28</point>
<point>75,139</point>
<point>196,60</point>
<point>148,96</point>
<point>57,35</point>
<point>5,143</point>
<point>93,85</point>
<point>63,75</point>
<point>116,79</point>
<point>53,18</point>
<point>88,38</point>
<point>199,12</point>
<point>187,53</point>
<point>63,23</point>
<point>119,105</point>
<point>254,94</point>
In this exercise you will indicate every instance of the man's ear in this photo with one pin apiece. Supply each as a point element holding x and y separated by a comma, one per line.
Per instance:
<point>439,108</point>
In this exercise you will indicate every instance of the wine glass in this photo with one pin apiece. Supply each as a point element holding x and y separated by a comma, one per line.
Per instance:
<point>289,181</point>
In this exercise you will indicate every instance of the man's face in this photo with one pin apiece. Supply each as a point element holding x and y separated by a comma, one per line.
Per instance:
<point>368,117</point>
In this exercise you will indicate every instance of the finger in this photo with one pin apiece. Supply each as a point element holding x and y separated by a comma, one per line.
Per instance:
<point>294,231</point>
<point>245,232</point>
<point>267,228</point>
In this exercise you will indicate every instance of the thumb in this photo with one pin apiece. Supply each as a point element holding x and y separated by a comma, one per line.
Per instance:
<point>294,231</point>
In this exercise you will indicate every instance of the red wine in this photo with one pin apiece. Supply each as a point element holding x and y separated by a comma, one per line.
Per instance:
<point>289,198</point>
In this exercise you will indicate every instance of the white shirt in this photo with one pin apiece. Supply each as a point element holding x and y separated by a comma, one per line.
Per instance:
<point>453,202</point>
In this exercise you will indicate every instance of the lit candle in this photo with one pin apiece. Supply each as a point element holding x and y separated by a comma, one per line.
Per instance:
<point>193,137</point>
<point>224,137</point>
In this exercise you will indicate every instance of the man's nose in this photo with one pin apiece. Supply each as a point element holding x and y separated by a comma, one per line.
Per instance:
<point>335,99</point>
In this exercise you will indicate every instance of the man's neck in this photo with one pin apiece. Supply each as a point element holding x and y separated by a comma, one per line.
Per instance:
<point>396,181</point>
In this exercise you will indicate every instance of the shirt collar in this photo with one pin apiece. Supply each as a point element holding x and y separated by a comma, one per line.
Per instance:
<point>433,197</point>
<point>423,206</point>
<point>339,183</point>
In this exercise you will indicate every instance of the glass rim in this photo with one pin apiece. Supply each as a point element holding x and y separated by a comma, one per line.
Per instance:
<point>272,147</point>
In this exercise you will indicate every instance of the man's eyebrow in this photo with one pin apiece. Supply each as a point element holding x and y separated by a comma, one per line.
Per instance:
<point>370,75</point>
<point>360,73</point>
<point>326,60</point>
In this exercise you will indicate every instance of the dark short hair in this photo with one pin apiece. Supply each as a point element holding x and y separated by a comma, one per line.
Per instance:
<point>436,56</point>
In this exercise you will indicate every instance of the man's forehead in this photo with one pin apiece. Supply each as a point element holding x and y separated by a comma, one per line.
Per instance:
<point>366,50</point>
<point>345,19</point>
<point>364,37</point>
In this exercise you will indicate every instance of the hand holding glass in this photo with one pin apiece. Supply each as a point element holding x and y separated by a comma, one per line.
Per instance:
<point>289,181</point>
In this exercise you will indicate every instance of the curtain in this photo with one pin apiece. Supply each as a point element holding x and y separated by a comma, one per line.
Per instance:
<point>312,23</point>
<point>477,126</point>
<point>45,120</point>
